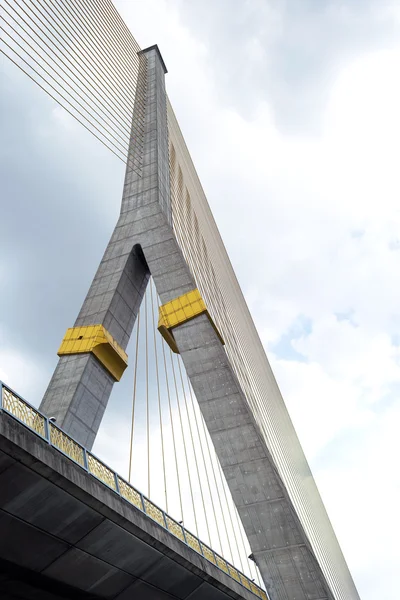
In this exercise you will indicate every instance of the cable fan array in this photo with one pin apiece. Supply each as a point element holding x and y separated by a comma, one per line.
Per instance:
<point>172,458</point>
<point>82,55</point>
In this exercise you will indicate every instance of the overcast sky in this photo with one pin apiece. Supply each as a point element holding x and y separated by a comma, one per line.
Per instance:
<point>291,112</point>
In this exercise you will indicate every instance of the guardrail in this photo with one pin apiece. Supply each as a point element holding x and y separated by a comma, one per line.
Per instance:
<point>22,411</point>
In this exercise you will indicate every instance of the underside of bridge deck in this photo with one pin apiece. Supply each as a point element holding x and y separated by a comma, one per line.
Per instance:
<point>64,534</point>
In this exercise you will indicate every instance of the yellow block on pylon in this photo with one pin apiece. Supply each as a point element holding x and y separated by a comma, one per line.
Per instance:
<point>96,340</point>
<point>180,310</point>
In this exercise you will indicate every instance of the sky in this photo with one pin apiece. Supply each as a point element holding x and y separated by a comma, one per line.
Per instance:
<point>290,112</point>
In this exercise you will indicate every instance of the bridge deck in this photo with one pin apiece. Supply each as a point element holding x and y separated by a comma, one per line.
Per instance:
<point>65,534</point>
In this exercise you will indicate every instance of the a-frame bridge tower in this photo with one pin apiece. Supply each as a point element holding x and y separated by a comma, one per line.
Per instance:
<point>241,405</point>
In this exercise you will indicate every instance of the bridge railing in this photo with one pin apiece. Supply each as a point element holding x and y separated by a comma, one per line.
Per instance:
<point>25,413</point>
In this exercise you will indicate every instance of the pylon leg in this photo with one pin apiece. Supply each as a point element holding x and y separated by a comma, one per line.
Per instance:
<point>79,390</point>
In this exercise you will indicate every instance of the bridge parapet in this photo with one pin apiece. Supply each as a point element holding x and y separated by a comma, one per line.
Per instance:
<point>14,405</point>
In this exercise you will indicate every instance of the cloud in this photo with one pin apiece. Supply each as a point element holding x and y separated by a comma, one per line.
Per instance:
<point>363,460</point>
<point>290,111</point>
<point>20,371</point>
<point>287,52</point>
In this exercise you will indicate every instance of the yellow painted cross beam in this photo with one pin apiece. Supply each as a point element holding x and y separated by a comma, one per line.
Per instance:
<point>97,340</point>
<point>180,310</point>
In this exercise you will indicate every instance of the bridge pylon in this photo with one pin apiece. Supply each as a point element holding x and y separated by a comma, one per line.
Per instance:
<point>92,354</point>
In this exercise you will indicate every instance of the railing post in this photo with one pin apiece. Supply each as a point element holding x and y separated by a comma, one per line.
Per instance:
<point>184,535</point>
<point>116,484</point>
<point>85,460</point>
<point>165,520</point>
<point>47,430</point>
<point>1,395</point>
<point>216,561</point>
<point>143,504</point>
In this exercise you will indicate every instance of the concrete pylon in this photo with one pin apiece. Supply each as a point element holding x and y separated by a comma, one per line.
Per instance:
<point>92,357</point>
